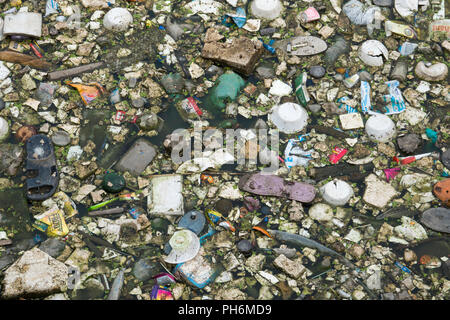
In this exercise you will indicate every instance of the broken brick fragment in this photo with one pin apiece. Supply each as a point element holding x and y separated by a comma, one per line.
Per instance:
<point>241,54</point>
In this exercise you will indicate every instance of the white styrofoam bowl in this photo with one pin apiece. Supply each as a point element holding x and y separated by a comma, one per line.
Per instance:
<point>266,9</point>
<point>117,19</point>
<point>289,117</point>
<point>336,192</point>
<point>380,128</point>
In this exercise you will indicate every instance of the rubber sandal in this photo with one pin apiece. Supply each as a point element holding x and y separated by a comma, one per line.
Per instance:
<point>42,174</point>
<point>271,185</point>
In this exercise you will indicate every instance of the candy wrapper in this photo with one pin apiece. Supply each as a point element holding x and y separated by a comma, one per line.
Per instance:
<point>395,101</point>
<point>216,219</point>
<point>88,92</point>
<point>239,18</point>
<point>391,173</point>
<point>161,293</point>
<point>190,106</point>
<point>344,105</point>
<point>295,156</point>
<point>337,154</point>
<point>51,7</point>
<point>52,223</point>
<point>121,116</point>
<point>365,97</point>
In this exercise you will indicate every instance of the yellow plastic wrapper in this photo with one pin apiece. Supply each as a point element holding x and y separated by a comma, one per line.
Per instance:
<point>63,201</point>
<point>88,92</point>
<point>52,223</point>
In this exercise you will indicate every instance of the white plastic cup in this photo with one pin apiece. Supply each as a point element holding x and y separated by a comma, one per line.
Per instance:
<point>289,117</point>
<point>4,129</point>
<point>117,19</point>
<point>380,128</point>
<point>336,192</point>
<point>266,9</point>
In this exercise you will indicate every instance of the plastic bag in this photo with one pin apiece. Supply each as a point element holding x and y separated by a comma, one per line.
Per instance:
<point>296,156</point>
<point>88,92</point>
<point>51,7</point>
<point>344,104</point>
<point>395,101</point>
<point>365,97</point>
<point>358,13</point>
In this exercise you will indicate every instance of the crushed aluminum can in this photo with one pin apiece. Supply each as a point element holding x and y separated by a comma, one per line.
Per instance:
<point>343,105</point>
<point>310,14</point>
<point>296,156</point>
<point>337,154</point>
<point>391,27</point>
<point>365,97</point>
<point>395,101</point>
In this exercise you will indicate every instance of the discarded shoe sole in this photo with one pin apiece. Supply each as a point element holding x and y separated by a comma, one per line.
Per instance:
<point>437,219</point>
<point>42,174</point>
<point>271,185</point>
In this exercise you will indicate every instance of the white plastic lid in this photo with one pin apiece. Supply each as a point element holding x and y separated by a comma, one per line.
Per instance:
<point>268,9</point>
<point>117,19</point>
<point>289,117</point>
<point>4,129</point>
<point>337,192</point>
<point>380,128</point>
<point>185,246</point>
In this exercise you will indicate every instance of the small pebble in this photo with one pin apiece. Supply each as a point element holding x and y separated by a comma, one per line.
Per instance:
<point>317,71</point>
<point>61,138</point>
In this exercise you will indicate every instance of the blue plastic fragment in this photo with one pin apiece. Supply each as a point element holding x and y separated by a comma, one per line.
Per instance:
<point>267,47</point>
<point>433,135</point>
<point>402,267</point>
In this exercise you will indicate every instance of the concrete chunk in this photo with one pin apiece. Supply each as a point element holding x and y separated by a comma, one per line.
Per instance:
<point>241,54</point>
<point>23,23</point>
<point>35,274</point>
<point>137,157</point>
